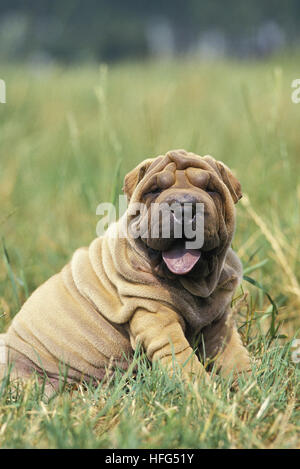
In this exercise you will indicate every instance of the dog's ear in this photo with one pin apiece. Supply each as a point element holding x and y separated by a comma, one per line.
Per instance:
<point>227,177</point>
<point>230,181</point>
<point>132,178</point>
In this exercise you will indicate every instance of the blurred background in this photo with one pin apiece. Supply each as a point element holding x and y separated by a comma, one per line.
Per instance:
<point>95,87</point>
<point>93,30</point>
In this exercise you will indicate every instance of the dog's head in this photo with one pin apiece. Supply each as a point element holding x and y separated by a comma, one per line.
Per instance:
<point>171,189</point>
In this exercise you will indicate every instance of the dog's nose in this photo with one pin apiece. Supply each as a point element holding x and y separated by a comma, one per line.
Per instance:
<point>182,213</point>
<point>183,209</point>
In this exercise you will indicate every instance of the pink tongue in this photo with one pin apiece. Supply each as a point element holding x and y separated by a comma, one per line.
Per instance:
<point>179,260</point>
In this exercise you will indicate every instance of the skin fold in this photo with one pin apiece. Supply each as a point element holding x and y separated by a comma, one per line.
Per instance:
<point>119,292</point>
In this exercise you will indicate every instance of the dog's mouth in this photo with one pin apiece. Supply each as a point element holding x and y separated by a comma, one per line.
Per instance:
<point>179,259</point>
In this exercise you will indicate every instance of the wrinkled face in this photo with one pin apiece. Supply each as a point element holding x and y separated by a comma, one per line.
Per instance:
<point>183,194</point>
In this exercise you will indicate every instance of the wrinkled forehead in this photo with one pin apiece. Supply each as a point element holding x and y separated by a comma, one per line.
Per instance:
<point>180,166</point>
<point>180,160</point>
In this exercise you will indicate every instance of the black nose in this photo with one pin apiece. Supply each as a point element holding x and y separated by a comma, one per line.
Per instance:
<point>183,213</point>
<point>183,209</point>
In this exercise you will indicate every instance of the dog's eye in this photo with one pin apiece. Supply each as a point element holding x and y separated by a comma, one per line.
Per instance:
<point>154,192</point>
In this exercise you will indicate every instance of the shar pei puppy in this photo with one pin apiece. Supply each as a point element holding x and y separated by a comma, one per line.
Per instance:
<point>153,291</point>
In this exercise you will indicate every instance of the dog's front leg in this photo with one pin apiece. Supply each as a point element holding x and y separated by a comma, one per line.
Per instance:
<point>235,357</point>
<point>162,337</point>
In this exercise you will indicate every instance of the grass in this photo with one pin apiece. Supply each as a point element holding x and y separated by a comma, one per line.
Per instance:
<point>68,136</point>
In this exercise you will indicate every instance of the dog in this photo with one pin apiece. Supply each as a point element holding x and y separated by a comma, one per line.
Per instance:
<point>153,292</point>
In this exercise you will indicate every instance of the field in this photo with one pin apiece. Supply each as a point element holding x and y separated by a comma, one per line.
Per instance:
<point>67,138</point>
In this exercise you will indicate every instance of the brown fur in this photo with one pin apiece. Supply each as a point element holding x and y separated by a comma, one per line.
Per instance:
<point>111,296</point>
